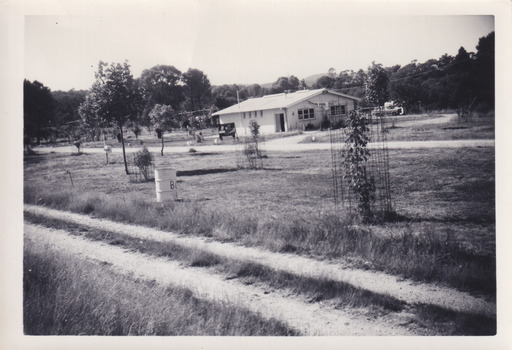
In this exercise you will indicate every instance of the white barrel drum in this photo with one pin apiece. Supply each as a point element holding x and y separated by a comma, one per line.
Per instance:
<point>165,181</point>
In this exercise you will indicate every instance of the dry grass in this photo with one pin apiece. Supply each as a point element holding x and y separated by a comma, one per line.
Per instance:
<point>444,199</point>
<point>67,296</point>
<point>321,289</point>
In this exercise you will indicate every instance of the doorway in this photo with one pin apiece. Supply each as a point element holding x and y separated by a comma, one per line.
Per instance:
<point>280,126</point>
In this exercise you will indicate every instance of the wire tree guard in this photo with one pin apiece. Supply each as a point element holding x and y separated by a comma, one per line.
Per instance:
<point>375,167</point>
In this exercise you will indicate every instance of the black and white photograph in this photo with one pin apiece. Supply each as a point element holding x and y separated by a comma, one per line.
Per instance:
<point>265,174</point>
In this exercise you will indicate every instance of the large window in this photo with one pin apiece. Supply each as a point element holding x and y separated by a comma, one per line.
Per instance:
<point>306,113</point>
<point>338,110</point>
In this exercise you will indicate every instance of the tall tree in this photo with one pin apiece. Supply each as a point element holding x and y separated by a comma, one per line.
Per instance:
<point>325,82</point>
<point>484,70</point>
<point>67,118</point>
<point>162,85</point>
<point>114,99</point>
<point>294,83</point>
<point>377,84</point>
<point>198,90</point>
<point>38,110</point>
<point>281,85</point>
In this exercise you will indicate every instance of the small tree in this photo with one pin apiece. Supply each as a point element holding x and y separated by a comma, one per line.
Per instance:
<point>163,118</point>
<point>251,149</point>
<point>143,160</point>
<point>356,158</point>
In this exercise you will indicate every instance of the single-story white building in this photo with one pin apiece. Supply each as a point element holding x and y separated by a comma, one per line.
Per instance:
<point>287,111</point>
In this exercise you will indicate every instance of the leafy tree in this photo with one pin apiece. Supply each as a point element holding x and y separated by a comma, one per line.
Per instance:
<point>162,85</point>
<point>255,90</point>
<point>38,110</point>
<point>163,118</point>
<point>294,83</point>
<point>197,90</point>
<point>67,118</point>
<point>484,70</point>
<point>113,100</point>
<point>281,85</point>
<point>377,84</point>
<point>303,85</point>
<point>325,82</point>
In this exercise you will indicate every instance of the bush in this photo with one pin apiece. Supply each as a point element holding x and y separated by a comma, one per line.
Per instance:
<point>143,160</point>
<point>326,123</point>
<point>309,127</point>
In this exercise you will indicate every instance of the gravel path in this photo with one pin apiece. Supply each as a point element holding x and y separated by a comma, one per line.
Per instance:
<point>308,318</point>
<point>410,292</point>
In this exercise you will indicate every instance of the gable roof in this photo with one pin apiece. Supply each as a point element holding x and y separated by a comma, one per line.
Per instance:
<point>282,100</point>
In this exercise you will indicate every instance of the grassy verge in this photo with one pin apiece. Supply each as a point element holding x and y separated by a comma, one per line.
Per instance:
<point>431,256</point>
<point>67,296</point>
<point>426,318</point>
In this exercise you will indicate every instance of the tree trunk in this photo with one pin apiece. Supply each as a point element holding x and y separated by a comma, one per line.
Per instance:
<point>162,150</point>
<point>124,152</point>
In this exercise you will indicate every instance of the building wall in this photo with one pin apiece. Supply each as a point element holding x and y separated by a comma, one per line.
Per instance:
<point>267,118</point>
<point>317,103</point>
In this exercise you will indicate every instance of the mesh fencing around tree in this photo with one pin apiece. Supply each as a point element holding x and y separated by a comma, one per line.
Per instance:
<point>250,153</point>
<point>137,174</point>
<point>375,168</point>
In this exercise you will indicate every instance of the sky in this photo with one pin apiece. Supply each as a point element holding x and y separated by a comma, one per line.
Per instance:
<point>240,42</point>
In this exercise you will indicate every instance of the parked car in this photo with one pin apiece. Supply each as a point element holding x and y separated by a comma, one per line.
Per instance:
<point>390,108</point>
<point>227,129</point>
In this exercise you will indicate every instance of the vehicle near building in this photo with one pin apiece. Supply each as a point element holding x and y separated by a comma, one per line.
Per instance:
<point>227,129</point>
<point>389,108</point>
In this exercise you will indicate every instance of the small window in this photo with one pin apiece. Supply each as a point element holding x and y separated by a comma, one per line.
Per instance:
<point>306,113</point>
<point>338,110</point>
<point>261,114</point>
<point>243,114</point>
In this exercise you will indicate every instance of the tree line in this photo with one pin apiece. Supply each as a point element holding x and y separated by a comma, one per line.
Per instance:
<point>463,82</point>
<point>165,98</point>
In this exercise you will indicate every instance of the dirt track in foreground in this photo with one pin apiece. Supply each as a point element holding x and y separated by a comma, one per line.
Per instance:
<point>309,318</point>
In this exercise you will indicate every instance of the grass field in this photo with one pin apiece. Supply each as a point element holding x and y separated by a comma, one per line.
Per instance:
<point>445,193</point>
<point>444,200</point>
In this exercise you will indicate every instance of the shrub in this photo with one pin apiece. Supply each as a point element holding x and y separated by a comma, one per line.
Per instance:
<point>143,160</point>
<point>255,129</point>
<point>309,127</point>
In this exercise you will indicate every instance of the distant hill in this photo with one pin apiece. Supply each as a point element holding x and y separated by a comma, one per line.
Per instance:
<point>313,78</point>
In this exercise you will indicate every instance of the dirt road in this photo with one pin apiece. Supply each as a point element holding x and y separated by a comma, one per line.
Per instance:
<point>309,318</point>
<point>408,291</point>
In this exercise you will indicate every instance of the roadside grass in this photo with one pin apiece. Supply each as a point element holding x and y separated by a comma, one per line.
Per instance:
<point>322,289</point>
<point>64,295</point>
<point>445,199</point>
